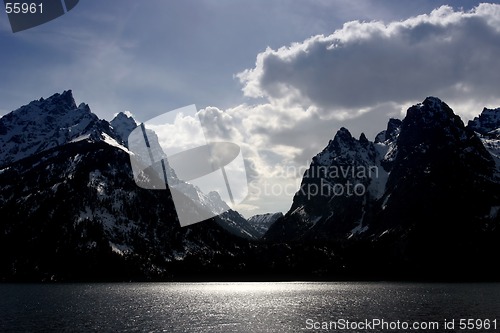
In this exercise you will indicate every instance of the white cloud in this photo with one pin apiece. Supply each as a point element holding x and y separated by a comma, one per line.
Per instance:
<point>150,59</point>
<point>358,77</point>
<point>447,53</point>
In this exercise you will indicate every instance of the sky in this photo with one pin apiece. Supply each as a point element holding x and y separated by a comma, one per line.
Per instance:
<point>278,77</point>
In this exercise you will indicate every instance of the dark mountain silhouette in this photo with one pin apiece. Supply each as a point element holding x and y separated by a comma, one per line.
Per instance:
<point>421,201</point>
<point>429,206</point>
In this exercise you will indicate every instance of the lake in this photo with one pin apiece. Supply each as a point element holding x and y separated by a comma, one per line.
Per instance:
<point>249,307</point>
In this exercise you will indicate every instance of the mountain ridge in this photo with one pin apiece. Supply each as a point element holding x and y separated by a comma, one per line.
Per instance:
<point>434,199</point>
<point>72,210</point>
<point>424,192</point>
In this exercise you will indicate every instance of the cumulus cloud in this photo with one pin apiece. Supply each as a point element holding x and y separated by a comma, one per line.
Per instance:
<point>447,53</point>
<point>358,77</point>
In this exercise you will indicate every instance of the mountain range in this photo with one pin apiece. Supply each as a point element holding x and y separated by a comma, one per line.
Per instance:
<point>71,210</point>
<point>421,201</point>
<point>427,198</point>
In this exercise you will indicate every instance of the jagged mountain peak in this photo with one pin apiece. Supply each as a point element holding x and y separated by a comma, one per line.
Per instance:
<point>433,102</point>
<point>123,125</point>
<point>487,127</point>
<point>393,129</point>
<point>391,133</point>
<point>123,116</point>
<point>85,107</point>
<point>430,107</point>
<point>46,123</point>
<point>55,105</point>
<point>363,139</point>
<point>432,113</point>
<point>343,134</point>
<point>413,163</point>
<point>344,148</point>
<point>487,121</point>
<point>341,141</point>
<point>63,172</point>
<point>432,121</point>
<point>65,100</point>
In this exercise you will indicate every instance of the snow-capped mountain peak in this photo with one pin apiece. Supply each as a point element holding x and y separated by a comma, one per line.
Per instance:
<point>487,127</point>
<point>391,133</point>
<point>44,124</point>
<point>431,124</point>
<point>428,157</point>
<point>123,125</point>
<point>62,167</point>
<point>488,120</point>
<point>432,111</point>
<point>342,135</point>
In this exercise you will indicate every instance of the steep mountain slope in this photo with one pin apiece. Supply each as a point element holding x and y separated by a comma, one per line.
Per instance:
<point>338,191</point>
<point>440,165</point>
<point>122,125</point>
<point>440,194</point>
<point>262,222</point>
<point>45,124</point>
<point>486,122</point>
<point>420,202</point>
<point>432,197</point>
<point>71,210</point>
<point>487,127</point>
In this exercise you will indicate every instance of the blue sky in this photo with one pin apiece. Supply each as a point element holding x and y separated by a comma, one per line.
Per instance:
<point>146,56</point>
<point>246,60</point>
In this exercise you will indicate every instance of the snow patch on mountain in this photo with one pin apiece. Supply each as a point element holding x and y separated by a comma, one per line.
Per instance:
<point>112,142</point>
<point>487,121</point>
<point>359,229</point>
<point>81,138</point>
<point>262,222</point>
<point>487,127</point>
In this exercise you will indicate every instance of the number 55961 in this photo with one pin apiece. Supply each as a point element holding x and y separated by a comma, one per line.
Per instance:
<point>23,7</point>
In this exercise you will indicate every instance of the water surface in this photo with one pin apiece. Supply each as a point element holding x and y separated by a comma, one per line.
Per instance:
<point>237,307</point>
